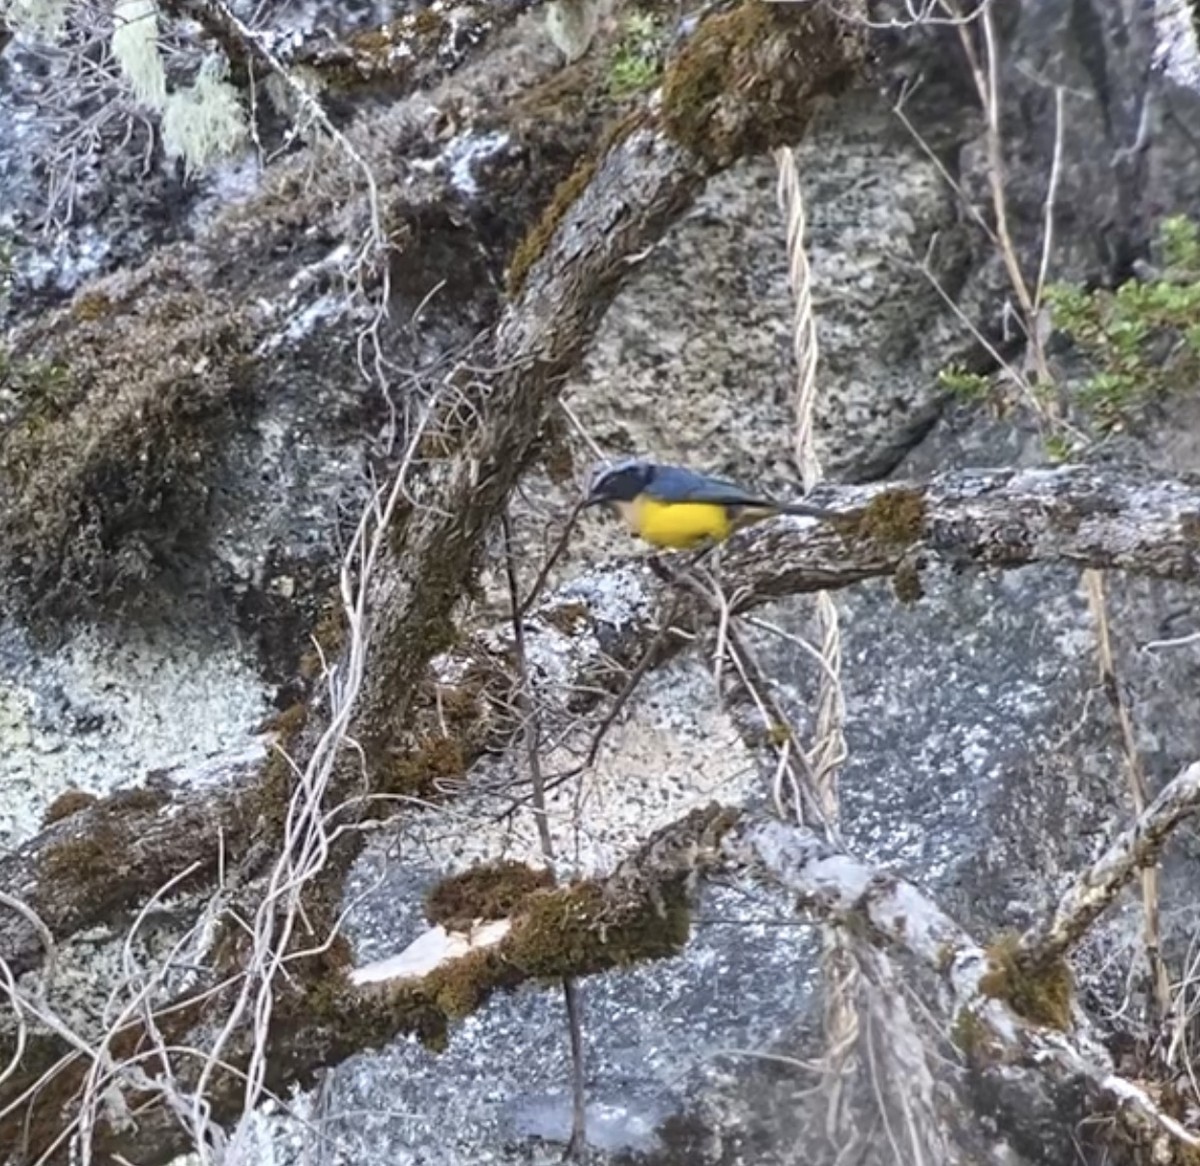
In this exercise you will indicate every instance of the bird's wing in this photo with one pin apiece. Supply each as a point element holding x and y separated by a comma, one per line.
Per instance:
<point>676,484</point>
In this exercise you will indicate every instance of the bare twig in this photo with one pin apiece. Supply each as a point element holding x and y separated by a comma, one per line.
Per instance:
<point>1136,777</point>
<point>533,732</point>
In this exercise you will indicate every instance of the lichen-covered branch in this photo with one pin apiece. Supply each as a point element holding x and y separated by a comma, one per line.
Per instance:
<point>1095,888</point>
<point>592,926</point>
<point>98,859</point>
<point>1012,1057</point>
<point>637,189</point>
<point>1079,516</point>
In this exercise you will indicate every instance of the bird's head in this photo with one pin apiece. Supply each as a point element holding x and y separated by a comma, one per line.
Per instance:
<point>621,482</point>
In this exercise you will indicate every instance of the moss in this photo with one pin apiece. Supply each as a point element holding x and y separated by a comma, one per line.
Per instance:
<point>69,802</point>
<point>971,1036</point>
<point>906,582</point>
<point>288,722</point>
<point>461,704</point>
<point>538,237</point>
<point>555,450</point>
<point>383,57</point>
<point>95,858</point>
<point>577,930</point>
<point>329,633</point>
<point>91,305</point>
<point>368,1017</point>
<point>748,79</point>
<point>105,470</point>
<point>1040,994</point>
<point>44,390</point>
<point>418,770</point>
<point>136,800</point>
<point>490,891</point>
<point>894,519</point>
<point>461,986</point>
<point>99,855</point>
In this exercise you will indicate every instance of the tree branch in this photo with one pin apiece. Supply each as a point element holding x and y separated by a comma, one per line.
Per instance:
<point>1135,848</point>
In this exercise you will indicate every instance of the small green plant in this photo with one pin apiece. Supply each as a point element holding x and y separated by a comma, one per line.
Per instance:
<point>1059,448</point>
<point>971,386</point>
<point>1141,340</point>
<point>637,60</point>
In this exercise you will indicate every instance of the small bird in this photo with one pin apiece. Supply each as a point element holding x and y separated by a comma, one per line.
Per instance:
<point>669,506</point>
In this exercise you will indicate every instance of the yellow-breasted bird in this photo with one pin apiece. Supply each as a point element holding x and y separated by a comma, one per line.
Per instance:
<point>669,506</point>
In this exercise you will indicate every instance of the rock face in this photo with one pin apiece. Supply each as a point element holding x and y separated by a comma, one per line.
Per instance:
<point>985,761</point>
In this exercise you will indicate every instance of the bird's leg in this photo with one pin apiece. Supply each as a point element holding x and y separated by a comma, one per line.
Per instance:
<point>654,561</point>
<point>707,547</point>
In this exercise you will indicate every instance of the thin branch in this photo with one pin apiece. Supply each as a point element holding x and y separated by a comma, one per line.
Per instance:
<point>1135,849</point>
<point>1136,777</point>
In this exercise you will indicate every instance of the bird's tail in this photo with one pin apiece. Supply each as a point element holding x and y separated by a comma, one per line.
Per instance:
<point>805,508</point>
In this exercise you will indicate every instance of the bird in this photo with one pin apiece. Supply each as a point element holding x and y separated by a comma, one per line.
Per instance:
<point>675,508</point>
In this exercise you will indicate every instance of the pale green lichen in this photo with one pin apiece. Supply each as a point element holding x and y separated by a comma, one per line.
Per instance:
<point>135,49</point>
<point>204,121</point>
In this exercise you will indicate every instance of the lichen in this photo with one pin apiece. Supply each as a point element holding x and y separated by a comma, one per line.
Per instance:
<point>749,79</point>
<point>491,891</point>
<point>1041,994</point>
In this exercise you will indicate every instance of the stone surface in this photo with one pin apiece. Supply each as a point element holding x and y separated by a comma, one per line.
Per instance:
<point>984,760</point>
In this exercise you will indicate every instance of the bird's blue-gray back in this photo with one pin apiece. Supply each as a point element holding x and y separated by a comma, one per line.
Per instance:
<point>676,484</point>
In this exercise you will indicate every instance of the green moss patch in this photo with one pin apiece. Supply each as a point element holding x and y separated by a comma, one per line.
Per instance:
<point>491,891</point>
<point>105,467</point>
<point>895,518</point>
<point>68,802</point>
<point>538,237</point>
<point>578,929</point>
<point>1040,994</point>
<point>748,80</point>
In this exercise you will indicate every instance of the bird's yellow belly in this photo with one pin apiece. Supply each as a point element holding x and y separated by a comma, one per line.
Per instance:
<point>678,524</point>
